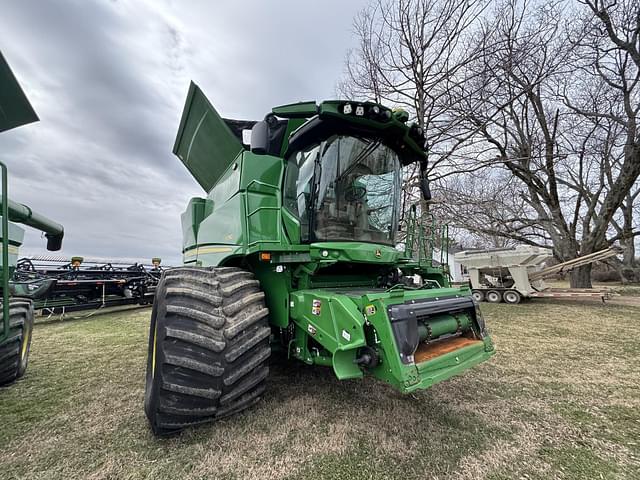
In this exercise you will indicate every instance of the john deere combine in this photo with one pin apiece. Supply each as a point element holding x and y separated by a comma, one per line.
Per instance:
<point>17,306</point>
<point>294,250</point>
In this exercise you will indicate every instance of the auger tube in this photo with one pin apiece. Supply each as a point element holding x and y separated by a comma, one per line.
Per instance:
<point>54,232</point>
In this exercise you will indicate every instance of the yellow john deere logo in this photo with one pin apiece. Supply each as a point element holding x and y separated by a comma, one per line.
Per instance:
<point>378,253</point>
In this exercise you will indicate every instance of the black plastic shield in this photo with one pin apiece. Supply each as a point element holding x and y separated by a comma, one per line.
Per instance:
<point>404,319</point>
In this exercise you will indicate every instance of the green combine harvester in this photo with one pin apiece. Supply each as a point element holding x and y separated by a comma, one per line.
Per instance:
<point>17,303</point>
<point>293,250</point>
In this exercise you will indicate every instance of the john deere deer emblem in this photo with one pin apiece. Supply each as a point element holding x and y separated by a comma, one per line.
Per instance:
<point>378,253</point>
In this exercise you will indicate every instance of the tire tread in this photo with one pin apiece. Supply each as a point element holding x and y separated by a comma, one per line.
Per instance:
<point>212,347</point>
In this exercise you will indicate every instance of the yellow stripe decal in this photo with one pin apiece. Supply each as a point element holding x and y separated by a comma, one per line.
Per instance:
<point>153,355</point>
<point>204,250</point>
<point>25,343</point>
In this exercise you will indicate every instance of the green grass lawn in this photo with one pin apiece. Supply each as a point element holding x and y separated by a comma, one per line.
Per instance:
<point>560,399</point>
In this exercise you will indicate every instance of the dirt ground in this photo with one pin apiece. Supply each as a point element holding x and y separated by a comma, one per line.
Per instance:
<point>560,399</point>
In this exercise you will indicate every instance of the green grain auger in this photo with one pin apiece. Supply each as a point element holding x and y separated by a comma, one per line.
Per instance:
<point>17,308</point>
<point>293,251</point>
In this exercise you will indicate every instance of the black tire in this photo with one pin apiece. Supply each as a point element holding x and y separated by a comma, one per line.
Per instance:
<point>478,295</point>
<point>511,296</point>
<point>208,347</point>
<point>493,296</point>
<point>14,351</point>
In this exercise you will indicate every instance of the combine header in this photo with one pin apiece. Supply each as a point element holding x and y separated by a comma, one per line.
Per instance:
<point>293,250</point>
<point>59,285</point>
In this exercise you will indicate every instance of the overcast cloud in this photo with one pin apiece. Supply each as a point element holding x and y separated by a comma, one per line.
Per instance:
<point>108,80</point>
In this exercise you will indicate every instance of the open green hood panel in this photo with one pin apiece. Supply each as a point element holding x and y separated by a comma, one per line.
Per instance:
<point>15,109</point>
<point>205,144</point>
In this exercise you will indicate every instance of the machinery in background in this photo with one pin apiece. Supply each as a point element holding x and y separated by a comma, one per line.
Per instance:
<point>513,274</point>
<point>60,285</point>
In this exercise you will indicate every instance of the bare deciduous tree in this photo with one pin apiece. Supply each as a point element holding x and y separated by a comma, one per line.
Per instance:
<point>535,114</point>
<point>410,54</point>
<point>572,169</point>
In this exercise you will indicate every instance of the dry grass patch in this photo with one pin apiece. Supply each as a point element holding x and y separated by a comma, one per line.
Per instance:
<point>559,400</point>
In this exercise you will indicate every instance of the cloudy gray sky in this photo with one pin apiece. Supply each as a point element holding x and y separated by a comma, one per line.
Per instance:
<point>108,80</point>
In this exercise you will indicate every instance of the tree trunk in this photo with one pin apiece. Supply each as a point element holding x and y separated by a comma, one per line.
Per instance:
<point>581,277</point>
<point>629,275</point>
<point>627,269</point>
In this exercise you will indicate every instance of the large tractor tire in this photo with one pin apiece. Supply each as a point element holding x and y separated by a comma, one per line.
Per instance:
<point>14,351</point>
<point>208,347</point>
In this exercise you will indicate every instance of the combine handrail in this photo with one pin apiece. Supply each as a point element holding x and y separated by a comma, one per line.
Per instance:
<point>5,255</point>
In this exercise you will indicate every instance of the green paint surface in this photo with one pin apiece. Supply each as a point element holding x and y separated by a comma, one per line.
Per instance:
<point>15,109</point>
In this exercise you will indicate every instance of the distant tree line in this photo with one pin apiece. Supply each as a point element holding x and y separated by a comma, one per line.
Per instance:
<point>530,109</point>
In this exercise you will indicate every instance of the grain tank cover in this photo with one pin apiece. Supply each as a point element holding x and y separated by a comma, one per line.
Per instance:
<point>205,143</point>
<point>15,109</point>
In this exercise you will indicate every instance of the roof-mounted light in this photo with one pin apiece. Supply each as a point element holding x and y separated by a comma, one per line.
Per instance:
<point>368,110</point>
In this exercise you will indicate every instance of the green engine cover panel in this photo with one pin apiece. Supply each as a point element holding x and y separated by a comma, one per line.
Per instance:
<point>204,143</point>
<point>16,237</point>
<point>241,214</point>
<point>15,109</point>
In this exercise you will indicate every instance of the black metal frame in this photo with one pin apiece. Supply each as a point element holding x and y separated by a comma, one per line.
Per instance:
<point>61,288</point>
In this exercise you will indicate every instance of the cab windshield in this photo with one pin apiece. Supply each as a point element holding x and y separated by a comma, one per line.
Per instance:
<point>345,188</point>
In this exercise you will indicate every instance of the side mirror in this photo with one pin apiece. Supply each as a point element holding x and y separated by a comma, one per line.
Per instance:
<point>260,137</point>
<point>425,189</point>
<point>267,135</point>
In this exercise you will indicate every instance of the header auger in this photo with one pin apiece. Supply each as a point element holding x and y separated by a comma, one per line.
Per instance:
<point>293,250</point>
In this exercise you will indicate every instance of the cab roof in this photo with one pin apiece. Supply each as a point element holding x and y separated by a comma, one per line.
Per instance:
<point>207,143</point>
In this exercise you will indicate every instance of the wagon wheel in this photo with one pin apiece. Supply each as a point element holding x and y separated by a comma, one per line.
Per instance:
<point>493,296</point>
